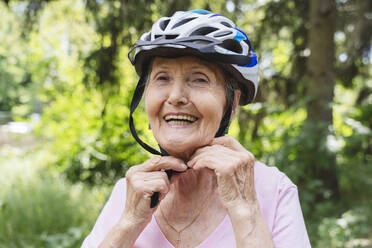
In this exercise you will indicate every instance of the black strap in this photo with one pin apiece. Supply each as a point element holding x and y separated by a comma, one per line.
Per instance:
<point>135,101</point>
<point>138,92</point>
<point>224,122</point>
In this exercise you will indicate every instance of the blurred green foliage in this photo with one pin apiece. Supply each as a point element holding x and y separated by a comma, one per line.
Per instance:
<point>67,60</point>
<point>42,209</point>
<point>350,230</point>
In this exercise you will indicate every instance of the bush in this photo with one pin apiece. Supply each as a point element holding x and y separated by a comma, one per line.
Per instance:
<point>38,209</point>
<point>351,230</point>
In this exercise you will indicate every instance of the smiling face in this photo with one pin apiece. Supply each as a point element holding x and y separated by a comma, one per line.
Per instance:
<point>185,101</point>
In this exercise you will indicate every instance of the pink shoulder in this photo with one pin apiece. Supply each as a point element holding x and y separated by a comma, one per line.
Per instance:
<point>268,179</point>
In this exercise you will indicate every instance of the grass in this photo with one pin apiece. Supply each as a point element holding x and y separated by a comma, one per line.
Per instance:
<point>41,209</point>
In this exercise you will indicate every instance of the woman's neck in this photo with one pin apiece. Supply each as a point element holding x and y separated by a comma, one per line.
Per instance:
<point>191,210</point>
<point>190,192</point>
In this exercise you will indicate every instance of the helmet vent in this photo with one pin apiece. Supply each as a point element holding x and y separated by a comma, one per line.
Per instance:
<point>203,31</point>
<point>167,36</point>
<point>163,25</point>
<point>226,24</point>
<point>148,37</point>
<point>223,33</point>
<point>231,45</point>
<point>184,21</point>
<point>171,36</point>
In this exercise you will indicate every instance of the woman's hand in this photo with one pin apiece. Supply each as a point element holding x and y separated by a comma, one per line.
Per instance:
<point>234,168</point>
<point>142,181</point>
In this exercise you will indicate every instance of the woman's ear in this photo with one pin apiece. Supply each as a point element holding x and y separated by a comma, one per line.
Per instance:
<point>237,94</point>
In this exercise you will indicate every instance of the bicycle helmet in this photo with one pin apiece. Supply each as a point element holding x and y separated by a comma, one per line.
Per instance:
<point>209,36</point>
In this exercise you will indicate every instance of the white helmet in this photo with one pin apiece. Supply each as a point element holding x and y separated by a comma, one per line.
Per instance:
<point>201,33</point>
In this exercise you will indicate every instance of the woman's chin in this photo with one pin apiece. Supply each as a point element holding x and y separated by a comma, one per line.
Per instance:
<point>183,153</point>
<point>181,148</point>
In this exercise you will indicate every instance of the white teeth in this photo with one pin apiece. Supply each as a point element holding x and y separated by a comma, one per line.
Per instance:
<point>181,118</point>
<point>179,122</point>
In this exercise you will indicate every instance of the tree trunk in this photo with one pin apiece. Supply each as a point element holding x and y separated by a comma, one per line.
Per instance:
<point>320,162</point>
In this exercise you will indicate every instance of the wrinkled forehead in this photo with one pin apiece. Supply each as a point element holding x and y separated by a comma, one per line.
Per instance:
<point>187,62</point>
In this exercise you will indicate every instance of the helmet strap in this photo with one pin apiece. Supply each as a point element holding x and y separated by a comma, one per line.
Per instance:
<point>138,92</point>
<point>225,122</point>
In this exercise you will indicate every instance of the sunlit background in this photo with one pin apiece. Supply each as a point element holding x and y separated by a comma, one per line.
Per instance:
<point>66,84</point>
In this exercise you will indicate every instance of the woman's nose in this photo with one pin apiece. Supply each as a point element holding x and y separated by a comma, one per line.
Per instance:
<point>178,93</point>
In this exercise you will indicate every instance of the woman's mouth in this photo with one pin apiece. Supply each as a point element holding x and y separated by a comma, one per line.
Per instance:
<point>180,119</point>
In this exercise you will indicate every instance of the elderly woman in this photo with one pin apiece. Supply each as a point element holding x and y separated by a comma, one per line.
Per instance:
<point>206,190</point>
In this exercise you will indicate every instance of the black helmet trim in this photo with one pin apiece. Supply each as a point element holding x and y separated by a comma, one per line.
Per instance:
<point>206,47</point>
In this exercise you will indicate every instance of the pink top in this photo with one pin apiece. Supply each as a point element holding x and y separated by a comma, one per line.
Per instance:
<point>279,203</point>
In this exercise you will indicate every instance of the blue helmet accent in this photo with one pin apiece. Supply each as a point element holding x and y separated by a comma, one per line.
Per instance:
<point>200,11</point>
<point>253,60</point>
<point>239,37</point>
<point>216,15</point>
<point>242,32</point>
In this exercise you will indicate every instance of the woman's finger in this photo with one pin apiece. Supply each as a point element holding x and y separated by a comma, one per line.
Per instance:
<point>156,185</point>
<point>206,160</point>
<point>199,151</point>
<point>216,152</point>
<point>166,163</point>
<point>151,175</point>
<point>208,149</point>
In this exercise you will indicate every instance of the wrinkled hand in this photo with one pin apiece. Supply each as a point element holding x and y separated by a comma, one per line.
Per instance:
<point>145,179</point>
<point>234,169</point>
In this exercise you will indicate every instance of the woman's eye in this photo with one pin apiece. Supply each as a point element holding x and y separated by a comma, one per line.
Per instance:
<point>201,80</point>
<point>162,78</point>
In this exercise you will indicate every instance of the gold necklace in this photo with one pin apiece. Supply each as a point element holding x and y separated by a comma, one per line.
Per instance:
<point>182,229</point>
